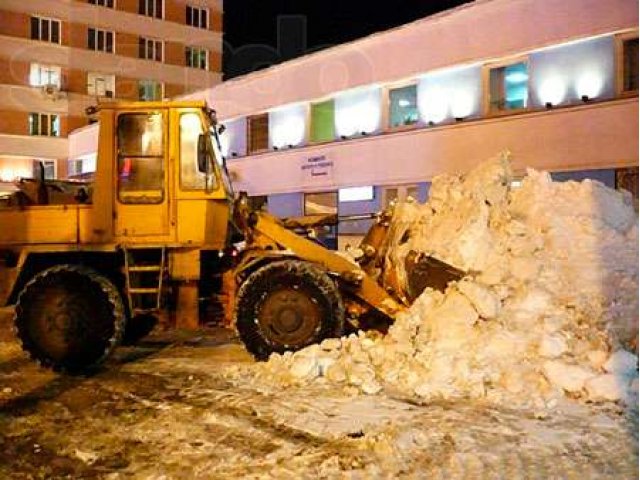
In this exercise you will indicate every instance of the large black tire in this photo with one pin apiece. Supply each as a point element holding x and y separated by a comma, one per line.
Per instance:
<point>69,318</point>
<point>287,305</point>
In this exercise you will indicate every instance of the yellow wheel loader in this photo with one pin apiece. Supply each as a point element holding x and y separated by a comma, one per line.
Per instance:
<point>85,263</point>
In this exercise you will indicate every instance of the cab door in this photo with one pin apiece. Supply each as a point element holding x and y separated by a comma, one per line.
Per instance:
<point>142,176</point>
<point>202,202</point>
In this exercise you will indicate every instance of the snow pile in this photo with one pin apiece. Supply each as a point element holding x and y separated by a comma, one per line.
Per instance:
<point>549,306</point>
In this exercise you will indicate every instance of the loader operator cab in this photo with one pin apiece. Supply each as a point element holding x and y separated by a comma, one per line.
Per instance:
<point>210,150</point>
<point>171,181</point>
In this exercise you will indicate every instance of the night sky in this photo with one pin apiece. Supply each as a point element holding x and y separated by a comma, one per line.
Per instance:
<point>252,28</point>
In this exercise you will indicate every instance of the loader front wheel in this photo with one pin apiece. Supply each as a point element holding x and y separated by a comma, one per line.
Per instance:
<point>69,318</point>
<point>287,305</point>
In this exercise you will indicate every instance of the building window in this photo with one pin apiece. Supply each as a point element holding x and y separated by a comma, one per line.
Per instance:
<point>403,106</point>
<point>508,87</point>
<point>258,133</point>
<point>150,49</point>
<point>323,203</point>
<point>399,193</point>
<point>322,122</point>
<point>45,29</point>
<point>47,124</point>
<point>101,84</point>
<point>102,3</point>
<point>44,169</point>
<point>151,8</point>
<point>140,158</point>
<point>149,90</point>
<point>41,75</point>
<point>630,65</point>
<point>197,57</point>
<point>74,167</point>
<point>197,17</point>
<point>100,40</point>
<point>355,194</point>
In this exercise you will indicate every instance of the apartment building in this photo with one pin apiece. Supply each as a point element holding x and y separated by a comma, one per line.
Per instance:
<point>59,56</point>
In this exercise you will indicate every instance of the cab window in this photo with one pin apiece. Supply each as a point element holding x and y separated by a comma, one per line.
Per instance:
<point>190,177</point>
<point>140,158</point>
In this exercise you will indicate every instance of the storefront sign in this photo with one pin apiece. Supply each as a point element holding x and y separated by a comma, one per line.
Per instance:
<point>317,166</point>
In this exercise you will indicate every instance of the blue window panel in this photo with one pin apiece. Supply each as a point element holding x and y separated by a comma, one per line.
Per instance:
<point>515,85</point>
<point>608,177</point>
<point>286,205</point>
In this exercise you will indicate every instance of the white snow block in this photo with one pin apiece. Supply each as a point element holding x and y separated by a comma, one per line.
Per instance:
<point>570,378</point>
<point>483,300</point>
<point>622,362</point>
<point>607,387</point>
<point>552,346</point>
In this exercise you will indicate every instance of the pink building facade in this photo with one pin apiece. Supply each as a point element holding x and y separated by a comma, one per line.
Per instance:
<point>350,128</point>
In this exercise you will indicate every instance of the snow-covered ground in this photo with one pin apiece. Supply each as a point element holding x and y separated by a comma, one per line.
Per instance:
<point>165,410</point>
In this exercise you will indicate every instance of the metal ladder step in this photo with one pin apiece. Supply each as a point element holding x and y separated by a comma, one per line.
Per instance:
<point>145,268</point>
<point>144,291</point>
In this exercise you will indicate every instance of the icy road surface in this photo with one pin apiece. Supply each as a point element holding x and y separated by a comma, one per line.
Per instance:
<point>163,410</point>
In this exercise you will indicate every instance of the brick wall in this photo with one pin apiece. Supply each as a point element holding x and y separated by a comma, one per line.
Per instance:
<point>172,90</point>
<point>126,88</point>
<point>130,6</point>
<point>75,81</point>
<point>76,34</point>
<point>127,44</point>
<point>15,24</point>
<point>14,123</point>
<point>174,53</point>
<point>14,72</point>
<point>174,11</point>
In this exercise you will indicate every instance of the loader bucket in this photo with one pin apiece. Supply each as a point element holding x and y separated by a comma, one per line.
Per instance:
<point>425,271</point>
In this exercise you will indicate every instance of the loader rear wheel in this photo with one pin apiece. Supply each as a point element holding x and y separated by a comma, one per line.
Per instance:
<point>287,305</point>
<point>69,318</point>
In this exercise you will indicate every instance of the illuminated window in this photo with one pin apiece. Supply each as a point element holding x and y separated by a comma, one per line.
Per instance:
<point>49,167</point>
<point>630,65</point>
<point>358,112</point>
<point>197,17</point>
<point>399,193</point>
<point>258,133</point>
<point>101,84</point>
<point>323,203</point>
<point>45,29</point>
<point>322,121</point>
<point>287,126</point>
<point>140,158</point>
<point>150,49</point>
<point>41,75</point>
<point>47,124</point>
<point>355,194</point>
<point>149,90</point>
<point>100,40</point>
<point>197,57</point>
<point>508,87</point>
<point>102,3</point>
<point>403,106</point>
<point>151,8</point>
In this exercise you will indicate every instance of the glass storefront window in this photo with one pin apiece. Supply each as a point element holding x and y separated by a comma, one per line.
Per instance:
<point>403,106</point>
<point>322,121</point>
<point>508,87</point>
<point>258,133</point>
<point>630,64</point>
